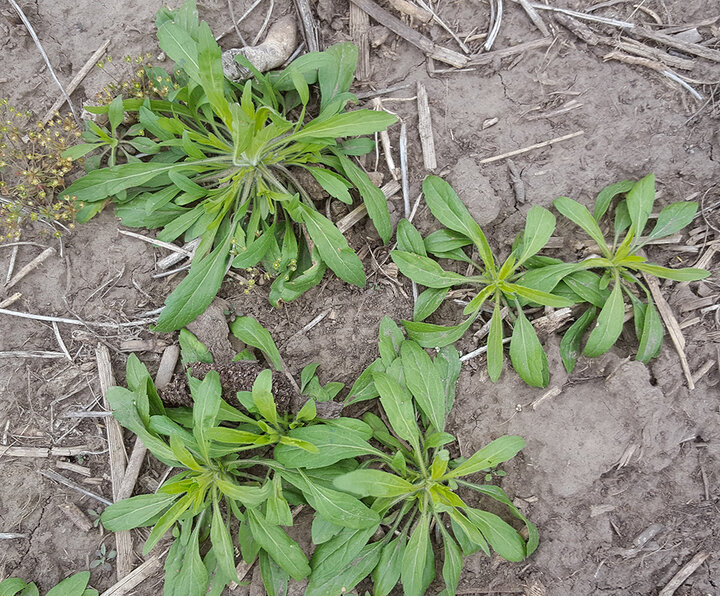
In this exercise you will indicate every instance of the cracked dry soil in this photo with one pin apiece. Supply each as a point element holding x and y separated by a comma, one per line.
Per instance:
<point>568,480</point>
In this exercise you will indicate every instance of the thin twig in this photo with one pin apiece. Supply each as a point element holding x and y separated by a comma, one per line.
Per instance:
<point>535,17</point>
<point>584,16</point>
<point>11,300</point>
<point>531,147</point>
<point>60,341</point>
<point>133,579</point>
<point>425,128</point>
<point>439,21</point>
<point>687,570</point>
<point>25,315</point>
<point>495,28</point>
<point>235,23</point>
<point>260,32</point>
<point>240,20</point>
<point>35,38</point>
<point>31,266</point>
<point>52,475</point>
<point>156,242</point>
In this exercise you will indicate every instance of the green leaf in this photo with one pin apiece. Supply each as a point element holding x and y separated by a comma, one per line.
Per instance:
<point>334,184</point>
<point>274,578</point>
<point>195,293</point>
<point>500,450</point>
<point>251,254</point>
<point>222,543</point>
<point>474,306</point>
<point>609,325</point>
<point>424,383</point>
<point>425,271</point>
<point>193,576</point>
<point>415,557</point>
<point>206,403</point>
<point>537,296</point>
<point>448,365</point>
<point>409,239</point>
<point>447,207</point>
<point>652,334</point>
<point>570,344</point>
<point>167,520</point>
<point>502,536</point>
<point>494,345</point>
<point>684,274</point>
<point>72,586</point>
<point>263,397</point>
<point>250,496</point>
<point>539,226</point>
<point>210,73</point>
<point>673,219</point>
<point>397,403</point>
<point>527,354</point>
<point>607,194</point>
<point>347,578</point>
<point>444,241</point>
<point>373,483</point>
<point>192,349</point>
<point>452,565</point>
<point>428,302</point>
<point>249,331</point>
<point>181,48</point>
<point>586,284</point>
<point>77,151</point>
<point>333,247</point>
<point>283,549</point>
<point>437,336</point>
<point>387,573</point>
<point>135,511</point>
<point>336,75</point>
<point>323,530</point>
<point>116,112</point>
<point>640,199</point>
<point>334,444</point>
<point>579,214</point>
<point>348,124</point>
<point>13,585</point>
<point>389,340</point>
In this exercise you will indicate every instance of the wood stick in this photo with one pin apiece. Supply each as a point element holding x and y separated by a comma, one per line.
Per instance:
<point>118,457</point>
<point>76,516</point>
<point>672,326</point>
<point>31,354</point>
<point>77,79</point>
<point>490,57</point>
<point>347,222</point>
<point>44,451</point>
<point>531,147</point>
<point>25,315</point>
<point>585,17</point>
<point>70,484</point>
<point>11,300</point>
<point>31,266</point>
<point>60,341</point>
<point>535,17</point>
<point>635,47</point>
<point>127,584</point>
<point>360,33</point>
<point>66,465</point>
<point>176,256</point>
<point>425,128</point>
<point>409,9</point>
<point>673,42</point>
<point>308,25</point>
<point>577,28</point>
<point>421,42</point>
<point>156,242</point>
<point>687,570</point>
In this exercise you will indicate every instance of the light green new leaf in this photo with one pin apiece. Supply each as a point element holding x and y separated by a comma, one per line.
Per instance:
<point>495,346</point>
<point>607,194</point>
<point>425,271</point>
<point>447,207</point>
<point>640,199</point>
<point>206,403</point>
<point>537,296</point>
<point>348,124</point>
<point>500,450</point>
<point>572,339</point>
<point>502,536</point>
<point>250,496</point>
<point>249,331</point>
<point>539,226</point>
<point>210,73</point>
<point>579,214</point>
<point>652,334</point>
<point>527,354</point>
<point>373,483</point>
<point>180,48</point>
<point>333,247</point>
<point>167,520</point>
<point>283,549</point>
<point>409,239</point>
<point>135,511</point>
<point>415,557</point>
<point>673,219</point>
<point>428,302</point>
<point>609,325</point>
<point>397,403</point>
<point>684,274</point>
<point>429,335</point>
<point>424,383</point>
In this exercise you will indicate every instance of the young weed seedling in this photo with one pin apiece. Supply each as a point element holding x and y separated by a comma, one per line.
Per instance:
<point>216,162</point>
<point>620,263</point>
<point>502,285</point>
<point>418,487</point>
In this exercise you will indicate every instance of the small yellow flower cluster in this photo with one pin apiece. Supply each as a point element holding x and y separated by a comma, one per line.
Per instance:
<point>133,78</point>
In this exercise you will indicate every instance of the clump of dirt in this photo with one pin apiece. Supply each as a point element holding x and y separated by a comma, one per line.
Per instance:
<point>234,377</point>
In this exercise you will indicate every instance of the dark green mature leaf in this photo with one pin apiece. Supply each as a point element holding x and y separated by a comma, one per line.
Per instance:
<point>494,345</point>
<point>429,335</point>
<point>397,403</point>
<point>409,239</point>
<point>586,284</point>
<point>546,278</point>
<point>640,199</point>
<point>609,325</point>
<point>652,334</point>
<point>428,302</point>
<point>334,184</point>
<point>251,254</point>
<point>274,577</point>
<point>222,543</point>
<point>348,124</point>
<point>684,274</point>
<point>571,341</point>
<point>537,296</point>
<point>424,383</point>
<point>333,247</point>
<point>415,557</point>
<point>500,450</point>
<point>167,521</point>
<point>579,214</point>
<point>374,483</point>
<point>607,194</point>
<point>206,403</point>
<point>425,271</point>
<point>334,444</point>
<point>443,241</point>
<point>502,536</point>
<point>72,586</point>
<point>527,354</point>
<point>452,565</point>
<point>387,573</point>
<point>539,226</point>
<point>336,70</point>
<point>283,549</point>
<point>673,219</point>
<point>195,293</point>
<point>249,331</point>
<point>181,48</point>
<point>447,207</point>
<point>347,578</point>
<point>389,341</point>
<point>135,511</point>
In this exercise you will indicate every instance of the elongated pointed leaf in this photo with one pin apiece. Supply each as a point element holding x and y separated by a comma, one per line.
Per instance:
<point>334,445</point>
<point>206,403</point>
<point>415,557</point>
<point>437,336</point>
<point>586,284</point>
<point>248,330</point>
<point>409,239</point>
<point>500,450</point>
<point>222,543</point>
<point>373,483</point>
<point>652,334</point>
<point>336,70</point>
<point>72,586</point>
<point>135,511</point>
<point>640,199</point>
<point>609,325</point>
<point>684,274</point>
<point>447,207</point>
<point>503,538</point>
<point>425,271</point>
<point>348,124</point>
<point>539,226</point>
<point>333,247</point>
<point>424,383</point>
<point>494,345</point>
<point>673,219</point>
<point>334,184</point>
<point>537,296</point>
<point>443,241</point>
<point>428,302</point>
<point>572,339</point>
<point>527,354</point>
<point>397,403</point>
<point>387,573</point>
<point>283,549</point>
<point>607,194</point>
<point>579,215</point>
